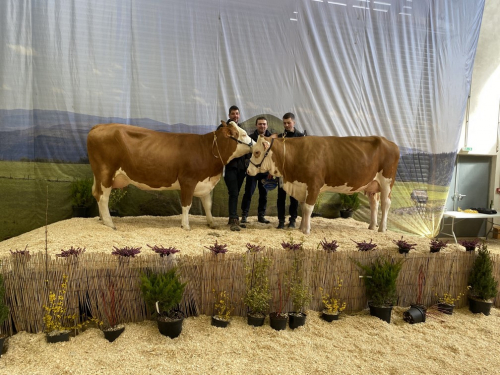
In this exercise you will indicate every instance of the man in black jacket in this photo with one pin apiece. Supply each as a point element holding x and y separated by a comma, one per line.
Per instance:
<point>290,131</point>
<point>234,174</point>
<point>253,181</point>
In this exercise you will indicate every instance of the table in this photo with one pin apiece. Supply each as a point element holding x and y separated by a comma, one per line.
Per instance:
<point>459,216</point>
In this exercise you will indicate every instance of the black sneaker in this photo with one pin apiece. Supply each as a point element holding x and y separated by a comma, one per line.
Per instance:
<point>281,225</point>
<point>263,220</point>
<point>291,224</point>
<point>243,220</point>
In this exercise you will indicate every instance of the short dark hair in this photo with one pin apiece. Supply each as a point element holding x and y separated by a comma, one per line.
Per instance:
<point>288,115</point>
<point>260,118</point>
<point>233,108</point>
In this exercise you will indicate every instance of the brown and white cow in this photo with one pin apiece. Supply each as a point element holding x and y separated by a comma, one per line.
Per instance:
<point>124,154</point>
<point>310,165</point>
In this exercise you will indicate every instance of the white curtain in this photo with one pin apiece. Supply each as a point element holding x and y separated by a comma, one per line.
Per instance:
<point>396,68</point>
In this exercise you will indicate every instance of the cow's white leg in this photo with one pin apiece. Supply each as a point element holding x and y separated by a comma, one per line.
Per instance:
<point>206,202</point>
<point>302,219</point>
<point>305,223</point>
<point>373,197</point>
<point>104,209</point>
<point>185,217</point>
<point>385,202</point>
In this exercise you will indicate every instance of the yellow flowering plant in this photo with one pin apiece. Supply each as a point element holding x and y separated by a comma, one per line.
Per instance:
<point>55,318</point>
<point>332,304</point>
<point>448,299</point>
<point>223,306</point>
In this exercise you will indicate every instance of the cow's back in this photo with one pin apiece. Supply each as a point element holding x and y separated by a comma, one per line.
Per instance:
<point>338,161</point>
<point>151,158</point>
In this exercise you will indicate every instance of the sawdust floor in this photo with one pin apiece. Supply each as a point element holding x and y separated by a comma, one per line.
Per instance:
<point>462,343</point>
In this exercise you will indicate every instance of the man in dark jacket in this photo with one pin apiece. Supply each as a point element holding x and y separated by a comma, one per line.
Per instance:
<point>234,174</point>
<point>290,131</point>
<point>253,181</point>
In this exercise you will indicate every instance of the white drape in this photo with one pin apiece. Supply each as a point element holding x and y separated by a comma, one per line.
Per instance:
<point>396,68</point>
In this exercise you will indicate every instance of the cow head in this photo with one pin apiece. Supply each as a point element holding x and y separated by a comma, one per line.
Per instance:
<point>261,160</point>
<point>244,143</point>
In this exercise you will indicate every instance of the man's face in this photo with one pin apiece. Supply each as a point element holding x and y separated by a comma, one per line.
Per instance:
<point>234,115</point>
<point>289,124</point>
<point>261,126</point>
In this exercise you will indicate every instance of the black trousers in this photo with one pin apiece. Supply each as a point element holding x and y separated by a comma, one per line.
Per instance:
<point>234,179</point>
<point>251,183</point>
<point>294,204</point>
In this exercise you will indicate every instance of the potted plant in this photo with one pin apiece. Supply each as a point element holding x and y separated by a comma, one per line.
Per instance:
<point>81,195</point>
<point>436,245</point>
<point>278,318</point>
<point>470,245</point>
<point>417,313</point>
<point>482,284</point>
<point>115,197</point>
<point>333,306</point>
<point>163,293</point>
<point>348,204</point>
<point>222,309</point>
<point>328,246</point>
<point>404,247</point>
<point>4,312</point>
<point>446,302</point>
<point>299,291</point>
<point>257,294</point>
<point>380,282</point>
<point>365,246</point>
<point>57,323</point>
<point>110,327</point>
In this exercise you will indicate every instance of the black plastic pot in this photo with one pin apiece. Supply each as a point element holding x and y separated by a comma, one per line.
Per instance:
<point>381,312</point>
<point>445,308</point>
<point>171,328</point>
<point>278,322</point>
<point>296,320</point>
<point>256,321</point>
<point>435,250</point>
<point>416,314</point>
<point>219,323</point>
<point>477,306</point>
<point>112,334</point>
<point>60,337</point>
<point>346,214</point>
<point>329,317</point>
<point>403,251</point>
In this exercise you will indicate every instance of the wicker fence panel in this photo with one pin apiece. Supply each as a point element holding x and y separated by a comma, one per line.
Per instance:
<point>96,279</point>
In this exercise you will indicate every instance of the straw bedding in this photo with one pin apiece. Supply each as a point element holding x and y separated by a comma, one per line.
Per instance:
<point>357,343</point>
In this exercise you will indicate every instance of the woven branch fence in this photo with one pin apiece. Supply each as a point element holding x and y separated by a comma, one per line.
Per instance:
<point>96,279</point>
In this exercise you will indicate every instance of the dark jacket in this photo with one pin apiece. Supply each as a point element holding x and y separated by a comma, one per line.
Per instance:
<point>255,136</point>
<point>236,163</point>
<point>293,134</point>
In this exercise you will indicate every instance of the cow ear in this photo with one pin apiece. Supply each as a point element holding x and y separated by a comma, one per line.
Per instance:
<point>229,132</point>
<point>266,145</point>
<point>223,123</point>
<point>274,135</point>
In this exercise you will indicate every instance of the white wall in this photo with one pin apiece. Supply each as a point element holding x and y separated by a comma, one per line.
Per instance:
<point>482,131</point>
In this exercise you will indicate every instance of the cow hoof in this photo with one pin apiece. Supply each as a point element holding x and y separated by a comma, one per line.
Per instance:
<point>185,227</point>
<point>372,227</point>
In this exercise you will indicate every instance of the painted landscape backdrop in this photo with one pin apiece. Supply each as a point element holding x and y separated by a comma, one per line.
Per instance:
<point>42,151</point>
